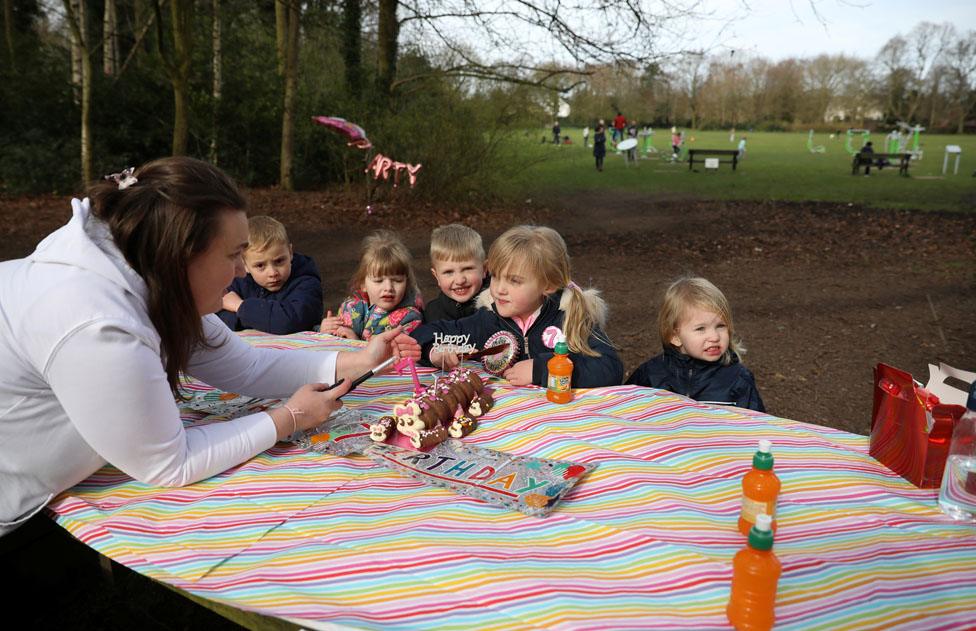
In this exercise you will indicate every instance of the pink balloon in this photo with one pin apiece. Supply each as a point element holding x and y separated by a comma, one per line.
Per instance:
<point>355,134</point>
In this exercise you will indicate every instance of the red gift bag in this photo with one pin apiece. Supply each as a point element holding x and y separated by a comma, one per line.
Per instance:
<point>910,428</point>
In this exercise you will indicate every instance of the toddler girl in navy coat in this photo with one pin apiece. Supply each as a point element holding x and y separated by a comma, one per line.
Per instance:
<point>701,351</point>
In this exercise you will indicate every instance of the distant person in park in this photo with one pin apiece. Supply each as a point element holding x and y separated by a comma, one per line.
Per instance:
<point>619,123</point>
<point>701,350</point>
<point>556,133</point>
<point>632,134</point>
<point>586,136</point>
<point>742,148</point>
<point>866,152</point>
<point>100,322</point>
<point>677,138</point>
<point>282,291</point>
<point>599,146</point>
<point>383,292</point>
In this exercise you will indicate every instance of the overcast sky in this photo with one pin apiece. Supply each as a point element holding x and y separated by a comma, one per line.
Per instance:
<point>776,29</point>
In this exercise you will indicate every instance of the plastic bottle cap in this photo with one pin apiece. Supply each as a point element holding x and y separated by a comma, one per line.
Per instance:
<point>561,348</point>
<point>763,459</point>
<point>761,534</point>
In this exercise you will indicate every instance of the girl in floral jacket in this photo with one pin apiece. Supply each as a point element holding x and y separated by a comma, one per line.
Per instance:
<point>383,290</point>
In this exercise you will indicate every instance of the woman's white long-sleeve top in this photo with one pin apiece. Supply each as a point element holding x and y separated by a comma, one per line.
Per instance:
<point>82,380</point>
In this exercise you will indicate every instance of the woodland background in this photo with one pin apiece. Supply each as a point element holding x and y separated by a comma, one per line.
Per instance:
<point>90,86</point>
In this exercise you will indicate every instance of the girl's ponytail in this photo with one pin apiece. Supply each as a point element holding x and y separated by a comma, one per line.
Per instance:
<point>585,310</point>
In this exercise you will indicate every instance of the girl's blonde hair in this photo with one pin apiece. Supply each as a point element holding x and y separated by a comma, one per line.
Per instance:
<point>384,254</point>
<point>689,292</point>
<point>539,251</point>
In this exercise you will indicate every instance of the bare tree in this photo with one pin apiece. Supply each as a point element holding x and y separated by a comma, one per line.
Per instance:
<point>287,29</point>
<point>823,78</point>
<point>564,38</point>
<point>110,39</point>
<point>177,65</point>
<point>960,64</point>
<point>217,84</point>
<point>8,29</point>
<point>81,78</point>
<point>909,62</point>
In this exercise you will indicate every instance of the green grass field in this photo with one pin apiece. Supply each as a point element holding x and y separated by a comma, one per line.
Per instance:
<point>777,166</point>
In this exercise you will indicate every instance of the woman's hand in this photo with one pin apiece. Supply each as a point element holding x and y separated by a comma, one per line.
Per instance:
<point>520,374</point>
<point>309,406</point>
<point>393,343</point>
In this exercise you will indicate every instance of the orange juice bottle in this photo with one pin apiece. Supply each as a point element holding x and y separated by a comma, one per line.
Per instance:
<point>560,387</point>
<point>755,572</point>
<point>760,488</point>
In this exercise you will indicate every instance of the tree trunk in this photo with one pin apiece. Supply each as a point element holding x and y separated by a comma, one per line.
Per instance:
<point>291,14</point>
<point>217,84</point>
<point>181,12</point>
<point>75,10</point>
<point>389,33</point>
<point>352,18</point>
<point>8,29</point>
<point>81,78</point>
<point>281,33</point>
<point>110,39</point>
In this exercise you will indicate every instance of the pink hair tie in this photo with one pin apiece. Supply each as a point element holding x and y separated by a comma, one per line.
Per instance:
<point>572,285</point>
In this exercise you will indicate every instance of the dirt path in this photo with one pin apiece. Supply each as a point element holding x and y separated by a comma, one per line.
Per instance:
<point>821,292</point>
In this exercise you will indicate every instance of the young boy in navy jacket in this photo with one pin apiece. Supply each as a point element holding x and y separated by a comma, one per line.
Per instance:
<point>457,261</point>
<point>282,291</point>
<point>701,351</point>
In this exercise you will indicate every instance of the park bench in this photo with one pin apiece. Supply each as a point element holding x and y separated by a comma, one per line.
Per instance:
<point>879,160</point>
<point>702,153</point>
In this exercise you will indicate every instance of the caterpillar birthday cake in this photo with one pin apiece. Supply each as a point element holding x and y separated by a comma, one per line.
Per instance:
<point>449,407</point>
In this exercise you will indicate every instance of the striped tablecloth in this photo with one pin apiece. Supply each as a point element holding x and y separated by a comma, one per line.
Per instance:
<point>645,540</point>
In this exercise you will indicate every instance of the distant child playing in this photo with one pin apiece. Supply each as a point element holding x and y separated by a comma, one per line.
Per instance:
<point>384,292</point>
<point>282,291</point>
<point>530,293</point>
<point>701,351</point>
<point>457,261</point>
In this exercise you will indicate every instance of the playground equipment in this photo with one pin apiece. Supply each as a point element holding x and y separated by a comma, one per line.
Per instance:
<point>915,131</point>
<point>814,148</point>
<point>647,135</point>
<point>848,144</point>
<point>955,150</point>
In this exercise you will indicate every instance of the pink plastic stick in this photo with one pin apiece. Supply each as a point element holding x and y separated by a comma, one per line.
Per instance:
<point>408,364</point>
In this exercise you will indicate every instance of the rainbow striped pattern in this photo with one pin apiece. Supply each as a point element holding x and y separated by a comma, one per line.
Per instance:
<point>645,540</point>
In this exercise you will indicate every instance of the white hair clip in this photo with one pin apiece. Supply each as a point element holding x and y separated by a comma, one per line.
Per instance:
<point>125,179</point>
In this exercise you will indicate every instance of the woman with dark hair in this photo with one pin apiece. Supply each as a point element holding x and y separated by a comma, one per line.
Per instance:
<point>98,324</point>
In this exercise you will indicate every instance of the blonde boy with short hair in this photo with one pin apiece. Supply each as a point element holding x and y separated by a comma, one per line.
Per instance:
<point>457,260</point>
<point>282,291</point>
